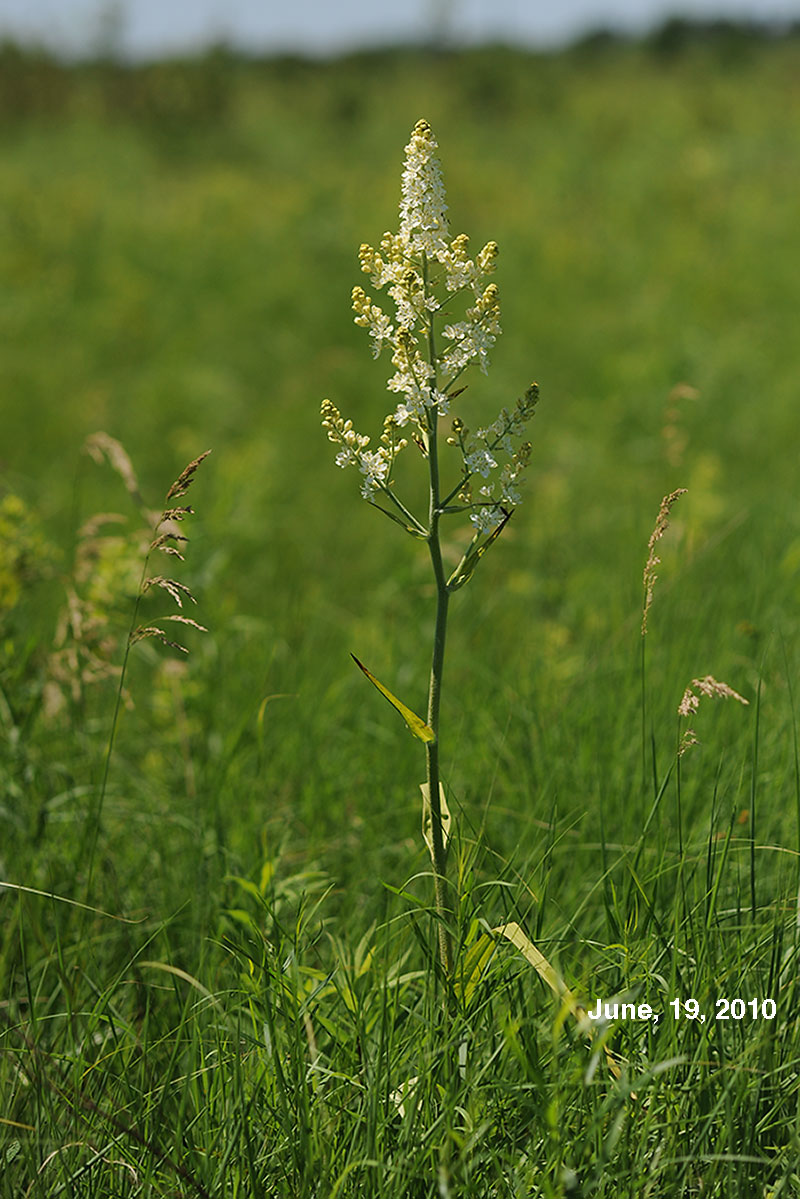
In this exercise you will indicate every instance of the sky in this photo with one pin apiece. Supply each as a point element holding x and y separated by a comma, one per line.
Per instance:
<point>147,28</point>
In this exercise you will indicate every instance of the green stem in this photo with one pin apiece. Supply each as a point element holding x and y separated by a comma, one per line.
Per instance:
<point>432,754</point>
<point>443,909</point>
<point>643,709</point>
<point>96,813</point>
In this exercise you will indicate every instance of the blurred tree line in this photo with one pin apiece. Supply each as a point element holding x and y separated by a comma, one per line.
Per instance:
<point>173,95</point>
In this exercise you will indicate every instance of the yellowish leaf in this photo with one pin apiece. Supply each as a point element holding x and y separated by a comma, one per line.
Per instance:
<point>463,572</point>
<point>415,723</point>
<point>427,817</point>
<point>545,970</point>
<point>513,933</point>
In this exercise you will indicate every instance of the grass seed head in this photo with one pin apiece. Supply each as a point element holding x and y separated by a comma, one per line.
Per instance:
<point>707,686</point>
<point>184,481</point>
<point>649,577</point>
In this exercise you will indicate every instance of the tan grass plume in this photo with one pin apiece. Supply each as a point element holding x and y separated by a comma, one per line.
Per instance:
<point>650,576</point>
<point>707,686</point>
<point>107,571</point>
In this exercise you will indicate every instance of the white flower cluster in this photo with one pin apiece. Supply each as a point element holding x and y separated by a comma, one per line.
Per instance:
<point>423,268</point>
<point>480,456</point>
<point>474,337</point>
<point>414,264</point>
<point>423,207</point>
<point>375,465</point>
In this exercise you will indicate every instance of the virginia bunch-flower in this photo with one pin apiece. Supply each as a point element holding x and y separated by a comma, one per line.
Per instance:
<point>443,316</point>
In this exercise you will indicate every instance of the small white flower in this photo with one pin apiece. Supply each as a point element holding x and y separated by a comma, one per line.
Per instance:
<point>373,462</point>
<point>510,495</point>
<point>480,462</point>
<point>403,414</point>
<point>409,301</point>
<point>416,397</point>
<point>486,519</point>
<point>460,274</point>
<point>381,331</point>
<point>457,331</point>
<point>375,467</point>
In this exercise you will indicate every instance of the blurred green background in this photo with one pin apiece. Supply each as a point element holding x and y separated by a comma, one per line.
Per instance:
<point>178,242</point>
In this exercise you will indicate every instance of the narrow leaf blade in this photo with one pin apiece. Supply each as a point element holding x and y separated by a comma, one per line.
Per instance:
<point>474,966</point>
<point>513,933</point>
<point>415,723</point>
<point>463,572</point>
<point>548,972</point>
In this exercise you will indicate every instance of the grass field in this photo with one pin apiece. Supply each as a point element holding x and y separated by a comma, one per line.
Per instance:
<point>219,966</point>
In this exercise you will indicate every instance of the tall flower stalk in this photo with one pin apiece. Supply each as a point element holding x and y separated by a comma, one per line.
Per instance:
<point>426,272</point>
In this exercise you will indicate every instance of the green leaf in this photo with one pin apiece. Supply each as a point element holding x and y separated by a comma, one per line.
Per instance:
<point>463,572</point>
<point>409,528</point>
<point>245,884</point>
<point>415,723</point>
<point>473,967</point>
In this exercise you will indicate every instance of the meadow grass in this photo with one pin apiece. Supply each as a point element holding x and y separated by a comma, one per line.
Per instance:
<point>240,1008</point>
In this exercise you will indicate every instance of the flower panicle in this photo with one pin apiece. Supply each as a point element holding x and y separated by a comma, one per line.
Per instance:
<point>375,465</point>
<point>423,203</point>
<point>414,262</point>
<point>185,478</point>
<point>481,456</point>
<point>423,268</point>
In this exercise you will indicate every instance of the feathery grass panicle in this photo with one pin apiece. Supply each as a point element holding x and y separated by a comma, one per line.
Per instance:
<point>185,480</point>
<point>108,567</point>
<point>105,572</point>
<point>105,575</point>
<point>159,634</point>
<point>649,577</point>
<point>707,686</point>
<point>166,533</point>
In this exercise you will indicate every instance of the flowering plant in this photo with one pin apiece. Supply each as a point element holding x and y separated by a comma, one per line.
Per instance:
<point>425,271</point>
